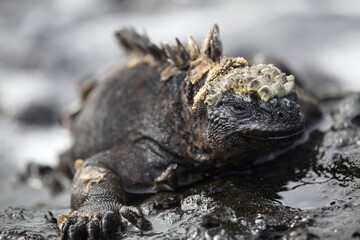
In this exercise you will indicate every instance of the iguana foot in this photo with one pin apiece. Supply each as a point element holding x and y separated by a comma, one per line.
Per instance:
<point>101,225</point>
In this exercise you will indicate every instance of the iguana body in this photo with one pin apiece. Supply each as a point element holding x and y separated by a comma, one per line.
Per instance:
<point>171,116</point>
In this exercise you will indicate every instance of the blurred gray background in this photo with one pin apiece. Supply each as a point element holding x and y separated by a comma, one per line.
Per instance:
<point>47,47</point>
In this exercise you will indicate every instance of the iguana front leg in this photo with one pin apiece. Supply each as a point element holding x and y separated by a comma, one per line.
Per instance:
<point>98,198</point>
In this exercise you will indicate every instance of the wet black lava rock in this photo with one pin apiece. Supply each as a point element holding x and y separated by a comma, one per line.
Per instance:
<point>35,224</point>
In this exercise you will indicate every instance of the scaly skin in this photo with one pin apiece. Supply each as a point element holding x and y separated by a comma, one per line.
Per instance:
<point>170,117</point>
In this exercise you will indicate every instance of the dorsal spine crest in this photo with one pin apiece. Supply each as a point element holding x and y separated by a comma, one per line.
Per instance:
<point>179,55</point>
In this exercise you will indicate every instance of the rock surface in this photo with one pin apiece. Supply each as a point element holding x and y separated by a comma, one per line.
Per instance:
<point>17,223</point>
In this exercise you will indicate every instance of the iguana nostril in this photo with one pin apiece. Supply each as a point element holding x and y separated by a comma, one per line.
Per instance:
<point>280,114</point>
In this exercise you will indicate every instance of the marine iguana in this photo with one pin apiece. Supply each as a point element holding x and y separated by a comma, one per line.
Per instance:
<point>170,117</point>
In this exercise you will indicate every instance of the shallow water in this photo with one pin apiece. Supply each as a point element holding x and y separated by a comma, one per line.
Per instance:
<point>307,195</point>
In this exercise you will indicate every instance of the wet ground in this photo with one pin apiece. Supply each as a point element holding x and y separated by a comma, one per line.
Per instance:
<point>309,192</point>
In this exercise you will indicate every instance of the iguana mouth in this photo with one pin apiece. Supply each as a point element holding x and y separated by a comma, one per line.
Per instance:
<point>279,136</point>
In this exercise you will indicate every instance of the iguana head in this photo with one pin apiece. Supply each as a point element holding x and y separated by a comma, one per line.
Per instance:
<point>251,110</point>
<point>244,126</point>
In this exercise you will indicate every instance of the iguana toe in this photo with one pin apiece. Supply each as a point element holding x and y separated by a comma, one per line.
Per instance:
<point>99,226</point>
<point>135,216</point>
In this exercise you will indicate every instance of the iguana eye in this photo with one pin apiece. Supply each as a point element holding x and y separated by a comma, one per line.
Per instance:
<point>241,112</point>
<point>237,108</point>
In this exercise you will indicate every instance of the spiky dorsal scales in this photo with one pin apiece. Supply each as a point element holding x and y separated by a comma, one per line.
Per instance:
<point>193,48</point>
<point>183,54</point>
<point>212,46</point>
<point>133,42</point>
<point>179,55</point>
